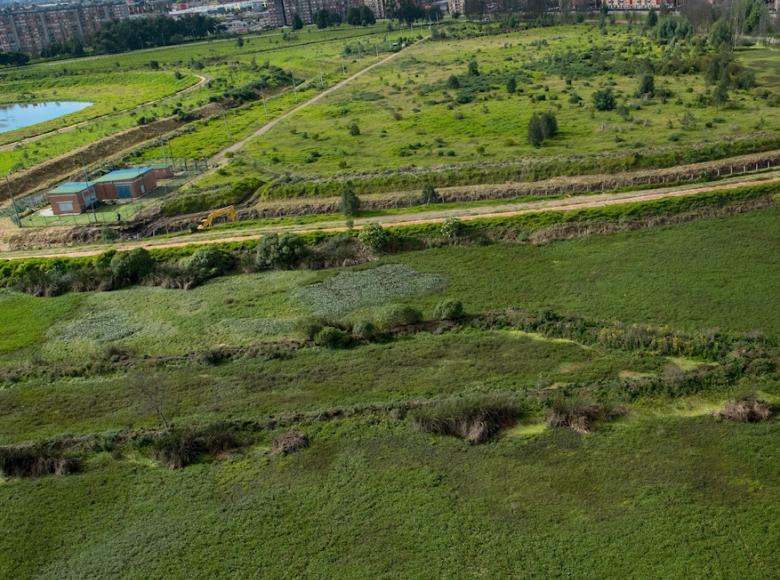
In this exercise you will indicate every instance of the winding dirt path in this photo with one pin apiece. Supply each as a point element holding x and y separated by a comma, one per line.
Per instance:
<point>222,158</point>
<point>408,219</point>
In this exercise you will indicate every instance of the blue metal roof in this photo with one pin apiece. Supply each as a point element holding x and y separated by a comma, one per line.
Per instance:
<point>123,174</point>
<point>71,187</point>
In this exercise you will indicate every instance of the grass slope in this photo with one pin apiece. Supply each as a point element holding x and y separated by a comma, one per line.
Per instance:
<point>666,497</point>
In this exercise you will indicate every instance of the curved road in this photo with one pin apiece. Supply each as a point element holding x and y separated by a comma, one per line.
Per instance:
<point>408,219</point>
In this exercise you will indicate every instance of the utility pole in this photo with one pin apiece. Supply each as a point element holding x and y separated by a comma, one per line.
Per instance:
<point>295,88</point>
<point>162,148</point>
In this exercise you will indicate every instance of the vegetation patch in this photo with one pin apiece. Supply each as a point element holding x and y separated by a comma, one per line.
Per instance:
<point>36,460</point>
<point>289,442</point>
<point>474,419</point>
<point>348,291</point>
<point>580,416</point>
<point>102,326</point>
<point>748,409</point>
<point>181,446</point>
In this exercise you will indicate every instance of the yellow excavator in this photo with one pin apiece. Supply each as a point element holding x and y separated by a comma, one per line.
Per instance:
<point>229,211</point>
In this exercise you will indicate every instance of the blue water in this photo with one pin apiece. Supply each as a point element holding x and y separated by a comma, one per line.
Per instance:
<point>23,115</point>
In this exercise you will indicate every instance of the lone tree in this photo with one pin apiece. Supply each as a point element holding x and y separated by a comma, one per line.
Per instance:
<point>542,126</point>
<point>350,202</point>
<point>535,130</point>
<point>646,86</point>
<point>652,18</point>
<point>297,23</point>
<point>429,194</point>
<point>453,82</point>
<point>511,85</point>
<point>604,100</point>
<point>473,68</point>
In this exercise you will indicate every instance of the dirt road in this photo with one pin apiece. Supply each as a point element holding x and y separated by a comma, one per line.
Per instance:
<point>221,158</point>
<point>397,220</point>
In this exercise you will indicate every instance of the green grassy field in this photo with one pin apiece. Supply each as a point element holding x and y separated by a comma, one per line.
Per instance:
<point>665,490</point>
<point>656,496</point>
<point>119,83</point>
<point>410,119</point>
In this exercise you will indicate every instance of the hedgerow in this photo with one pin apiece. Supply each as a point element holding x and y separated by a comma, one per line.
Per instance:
<point>177,267</point>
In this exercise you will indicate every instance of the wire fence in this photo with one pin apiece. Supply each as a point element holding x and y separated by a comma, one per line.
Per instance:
<point>26,211</point>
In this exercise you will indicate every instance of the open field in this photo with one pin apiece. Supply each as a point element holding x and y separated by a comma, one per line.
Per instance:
<point>700,487</point>
<point>523,377</point>
<point>657,496</point>
<point>411,119</point>
<point>118,83</point>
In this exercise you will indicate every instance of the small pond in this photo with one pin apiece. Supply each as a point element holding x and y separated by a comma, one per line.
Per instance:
<point>20,115</point>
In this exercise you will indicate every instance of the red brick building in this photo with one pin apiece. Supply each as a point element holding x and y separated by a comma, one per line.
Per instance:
<point>71,198</point>
<point>128,183</point>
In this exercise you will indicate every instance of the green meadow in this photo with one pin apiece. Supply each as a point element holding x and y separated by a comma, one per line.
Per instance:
<point>127,87</point>
<point>412,119</point>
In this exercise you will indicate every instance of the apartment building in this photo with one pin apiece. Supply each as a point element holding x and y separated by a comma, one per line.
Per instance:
<point>30,30</point>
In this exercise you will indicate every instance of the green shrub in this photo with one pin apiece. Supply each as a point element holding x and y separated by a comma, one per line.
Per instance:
<point>332,337</point>
<point>350,202</point>
<point>364,330</point>
<point>429,194</point>
<point>448,310</point>
<point>453,229</point>
<point>375,237</point>
<point>179,447</point>
<point>399,316</point>
<point>209,262</point>
<point>42,283</point>
<point>604,100</point>
<point>130,267</point>
<point>283,252</point>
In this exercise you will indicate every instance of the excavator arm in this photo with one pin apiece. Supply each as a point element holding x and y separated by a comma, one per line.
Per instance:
<point>207,222</point>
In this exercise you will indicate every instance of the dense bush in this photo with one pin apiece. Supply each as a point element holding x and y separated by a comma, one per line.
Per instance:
<point>474,419</point>
<point>283,252</point>
<point>332,337</point>
<point>289,442</point>
<point>364,330</point>
<point>375,237</point>
<point>180,447</point>
<point>579,416</point>
<point>604,100</point>
<point>209,262</point>
<point>399,316</point>
<point>130,267</point>
<point>448,310</point>
<point>350,202</point>
<point>453,229</point>
<point>42,283</point>
<point>36,461</point>
<point>747,409</point>
<point>337,252</point>
<point>542,126</point>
